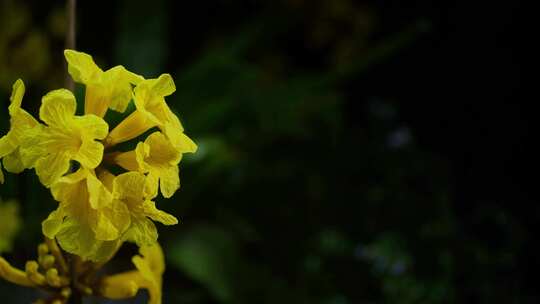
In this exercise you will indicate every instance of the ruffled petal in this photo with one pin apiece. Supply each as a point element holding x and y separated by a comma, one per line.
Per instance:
<point>157,215</point>
<point>90,154</point>
<point>68,190</point>
<point>169,181</point>
<point>17,95</point>
<point>151,266</point>
<point>149,98</point>
<point>77,238</point>
<point>93,126</point>
<point>81,66</point>
<point>51,167</point>
<point>13,163</point>
<point>52,225</point>
<point>142,231</point>
<point>162,152</point>
<point>99,196</point>
<point>7,145</point>
<point>118,214</point>
<point>58,108</point>
<point>129,186</point>
<point>152,185</point>
<point>163,85</point>
<point>32,146</point>
<point>179,140</point>
<point>119,81</point>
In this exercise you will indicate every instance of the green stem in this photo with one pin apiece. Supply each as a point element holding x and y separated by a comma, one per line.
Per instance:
<point>71,11</point>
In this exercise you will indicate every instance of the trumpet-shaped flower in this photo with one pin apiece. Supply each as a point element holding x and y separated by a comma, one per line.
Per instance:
<point>130,189</point>
<point>152,111</point>
<point>110,89</point>
<point>150,266</point>
<point>49,149</point>
<point>88,222</point>
<point>159,158</point>
<point>20,122</point>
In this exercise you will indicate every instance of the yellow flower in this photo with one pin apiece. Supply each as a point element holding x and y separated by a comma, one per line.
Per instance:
<point>152,111</point>
<point>9,224</point>
<point>130,188</point>
<point>49,149</point>
<point>150,268</point>
<point>88,222</point>
<point>109,89</point>
<point>157,157</point>
<point>20,122</point>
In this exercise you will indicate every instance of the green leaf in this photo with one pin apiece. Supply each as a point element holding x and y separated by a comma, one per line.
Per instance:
<point>209,256</point>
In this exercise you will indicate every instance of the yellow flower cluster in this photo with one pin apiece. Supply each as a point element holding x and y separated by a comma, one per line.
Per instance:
<point>73,155</point>
<point>52,272</point>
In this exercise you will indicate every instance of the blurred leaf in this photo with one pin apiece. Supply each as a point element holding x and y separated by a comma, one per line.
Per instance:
<point>209,256</point>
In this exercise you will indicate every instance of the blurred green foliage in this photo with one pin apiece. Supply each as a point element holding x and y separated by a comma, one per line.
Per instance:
<point>301,192</point>
<point>26,42</point>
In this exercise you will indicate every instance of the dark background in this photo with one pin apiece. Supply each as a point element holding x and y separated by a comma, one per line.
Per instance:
<point>349,151</point>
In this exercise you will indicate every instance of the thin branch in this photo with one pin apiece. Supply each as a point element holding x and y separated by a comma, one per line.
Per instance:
<point>71,12</point>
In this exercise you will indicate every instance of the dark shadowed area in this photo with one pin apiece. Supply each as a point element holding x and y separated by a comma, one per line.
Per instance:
<point>349,151</point>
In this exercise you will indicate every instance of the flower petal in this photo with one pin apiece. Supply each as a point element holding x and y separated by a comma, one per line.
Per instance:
<point>90,154</point>
<point>132,126</point>
<point>142,231</point>
<point>51,167</point>
<point>81,66</point>
<point>151,267</point>
<point>58,108</point>
<point>52,225</point>
<point>163,85</point>
<point>7,145</point>
<point>106,177</point>
<point>17,95</point>
<point>119,81</point>
<point>66,188</point>
<point>154,257</point>
<point>76,238</point>
<point>157,215</point>
<point>169,181</point>
<point>179,140</point>
<point>120,286</point>
<point>99,195</point>
<point>32,146</point>
<point>93,126</point>
<point>13,163</point>
<point>130,185</point>
<point>162,152</point>
<point>127,160</point>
